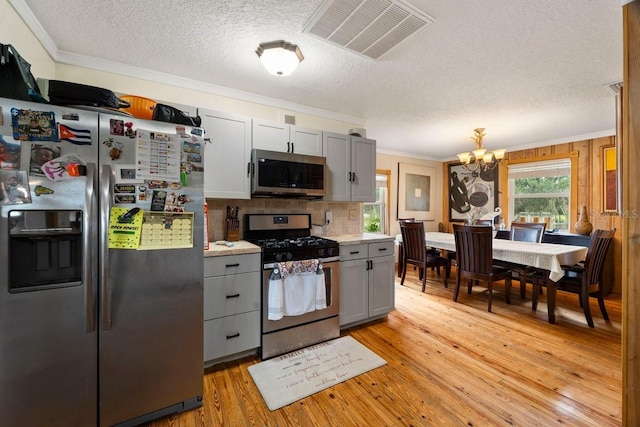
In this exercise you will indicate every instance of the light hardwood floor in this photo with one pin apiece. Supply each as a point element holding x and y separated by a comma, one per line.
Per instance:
<point>450,364</point>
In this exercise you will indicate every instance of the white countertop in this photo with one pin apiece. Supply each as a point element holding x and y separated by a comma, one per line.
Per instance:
<point>244,247</point>
<point>355,239</point>
<point>239,247</point>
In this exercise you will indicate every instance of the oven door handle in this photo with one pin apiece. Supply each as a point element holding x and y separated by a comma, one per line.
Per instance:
<point>323,260</point>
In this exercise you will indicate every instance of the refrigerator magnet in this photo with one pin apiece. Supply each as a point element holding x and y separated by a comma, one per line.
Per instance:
<point>33,125</point>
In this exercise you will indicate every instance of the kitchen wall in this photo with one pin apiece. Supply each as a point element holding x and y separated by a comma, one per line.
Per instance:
<point>347,217</point>
<point>390,162</point>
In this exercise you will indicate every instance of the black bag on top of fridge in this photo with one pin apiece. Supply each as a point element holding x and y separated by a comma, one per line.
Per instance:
<point>167,113</point>
<point>16,80</point>
<point>68,93</point>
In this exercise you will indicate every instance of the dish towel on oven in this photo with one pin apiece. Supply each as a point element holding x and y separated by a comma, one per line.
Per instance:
<point>295,288</point>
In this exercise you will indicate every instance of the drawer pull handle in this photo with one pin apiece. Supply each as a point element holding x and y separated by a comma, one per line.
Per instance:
<point>233,296</point>
<point>236,335</point>
<point>382,249</point>
<point>354,253</point>
<point>233,265</point>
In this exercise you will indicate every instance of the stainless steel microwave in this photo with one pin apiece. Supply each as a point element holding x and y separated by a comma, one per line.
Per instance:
<point>280,174</point>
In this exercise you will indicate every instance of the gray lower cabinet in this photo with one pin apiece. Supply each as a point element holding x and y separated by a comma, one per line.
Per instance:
<point>231,306</point>
<point>367,288</point>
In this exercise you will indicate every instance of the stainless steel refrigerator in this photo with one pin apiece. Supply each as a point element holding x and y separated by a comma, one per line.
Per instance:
<point>94,331</point>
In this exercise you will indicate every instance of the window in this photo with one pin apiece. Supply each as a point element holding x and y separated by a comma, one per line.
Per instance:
<point>541,192</point>
<point>376,215</point>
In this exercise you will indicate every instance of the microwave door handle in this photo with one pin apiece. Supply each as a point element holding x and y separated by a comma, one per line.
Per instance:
<point>89,237</point>
<point>105,201</point>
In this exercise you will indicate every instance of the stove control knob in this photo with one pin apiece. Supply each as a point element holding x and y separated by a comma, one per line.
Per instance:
<point>289,256</point>
<point>329,251</point>
<point>278,257</point>
<point>321,252</point>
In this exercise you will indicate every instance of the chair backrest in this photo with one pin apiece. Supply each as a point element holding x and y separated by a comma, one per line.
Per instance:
<point>527,231</point>
<point>413,240</point>
<point>596,254</point>
<point>401,220</point>
<point>474,248</point>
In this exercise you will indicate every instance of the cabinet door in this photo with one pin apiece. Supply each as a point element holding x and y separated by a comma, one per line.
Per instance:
<point>363,164</point>
<point>354,291</point>
<point>271,136</point>
<point>336,149</point>
<point>227,156</point>
<point>381,286</point>
<point>305,141</point>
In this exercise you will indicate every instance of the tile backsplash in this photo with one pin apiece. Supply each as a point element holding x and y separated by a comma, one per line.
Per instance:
<point>341,212</point>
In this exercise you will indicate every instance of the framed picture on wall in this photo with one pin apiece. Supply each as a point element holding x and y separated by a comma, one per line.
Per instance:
<point>609,179</point>
<point>471,191</point>
<point>416,191</point>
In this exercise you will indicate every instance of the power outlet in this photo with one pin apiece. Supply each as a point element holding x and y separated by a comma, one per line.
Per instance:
<point>353,214</point>
<point>328,217</point>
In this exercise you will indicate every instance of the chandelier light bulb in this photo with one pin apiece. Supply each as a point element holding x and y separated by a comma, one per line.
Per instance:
<point>482,158</point>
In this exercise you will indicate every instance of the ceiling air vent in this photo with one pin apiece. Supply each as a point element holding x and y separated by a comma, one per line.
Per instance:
<point>367,27</point>
<point>614,87</point>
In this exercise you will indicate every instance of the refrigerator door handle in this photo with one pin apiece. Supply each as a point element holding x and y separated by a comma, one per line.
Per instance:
<point>105,205</point>
<point>89,237</point>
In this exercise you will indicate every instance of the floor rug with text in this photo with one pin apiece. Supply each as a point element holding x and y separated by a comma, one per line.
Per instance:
<point>301,373</point>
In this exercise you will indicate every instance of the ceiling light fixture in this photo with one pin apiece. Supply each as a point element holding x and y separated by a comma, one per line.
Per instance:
<point>279,57</point>
<point>481,158</point>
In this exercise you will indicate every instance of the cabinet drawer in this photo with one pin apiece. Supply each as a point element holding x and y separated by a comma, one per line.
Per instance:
<point>381,249</point>
<point>348,252</point>
<point>231,334</point>
<point>232,294</point>
<point>232,264</point>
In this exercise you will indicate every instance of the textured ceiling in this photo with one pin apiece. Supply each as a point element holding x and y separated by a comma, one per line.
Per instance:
<point>530,72</point>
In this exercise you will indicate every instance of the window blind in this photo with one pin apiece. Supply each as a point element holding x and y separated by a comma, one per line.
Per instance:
<point>559,167</point>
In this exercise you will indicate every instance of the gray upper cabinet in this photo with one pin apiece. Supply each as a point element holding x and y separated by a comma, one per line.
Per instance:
<point>351,167</point>
<point>274,136</point>
<point>228,156</point>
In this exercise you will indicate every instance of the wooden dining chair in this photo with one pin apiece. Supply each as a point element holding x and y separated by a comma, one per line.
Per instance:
<point>416,254</point>
<point>584,279</point>
<point>523,232</point>
<point>401,246</point>
<point>474,257</point>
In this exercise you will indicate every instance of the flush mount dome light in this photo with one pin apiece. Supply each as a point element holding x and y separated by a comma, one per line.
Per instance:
<point>279,57</point>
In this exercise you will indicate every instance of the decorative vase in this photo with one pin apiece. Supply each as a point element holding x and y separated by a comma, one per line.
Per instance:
<point>583,226</point>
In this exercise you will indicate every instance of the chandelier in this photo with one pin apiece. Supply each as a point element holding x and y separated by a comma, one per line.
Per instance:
<point>279,57</point>
<point>480,158</point>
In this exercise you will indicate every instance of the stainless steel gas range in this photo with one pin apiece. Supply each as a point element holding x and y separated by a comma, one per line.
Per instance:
<point>286,238</point>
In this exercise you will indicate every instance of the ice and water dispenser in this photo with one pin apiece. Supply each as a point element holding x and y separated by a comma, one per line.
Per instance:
<point>45,249</point>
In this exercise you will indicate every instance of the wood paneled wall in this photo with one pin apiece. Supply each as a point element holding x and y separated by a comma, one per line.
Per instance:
<point>631,226</point>
<point>589,189</point>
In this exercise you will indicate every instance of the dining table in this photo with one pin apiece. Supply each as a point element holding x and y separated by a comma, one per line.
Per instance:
<point>547,257</point>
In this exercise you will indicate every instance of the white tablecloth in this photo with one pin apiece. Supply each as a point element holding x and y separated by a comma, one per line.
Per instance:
<point>547,256</point>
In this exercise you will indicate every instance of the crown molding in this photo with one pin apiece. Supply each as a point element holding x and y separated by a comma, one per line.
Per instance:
<point>36,28</point>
